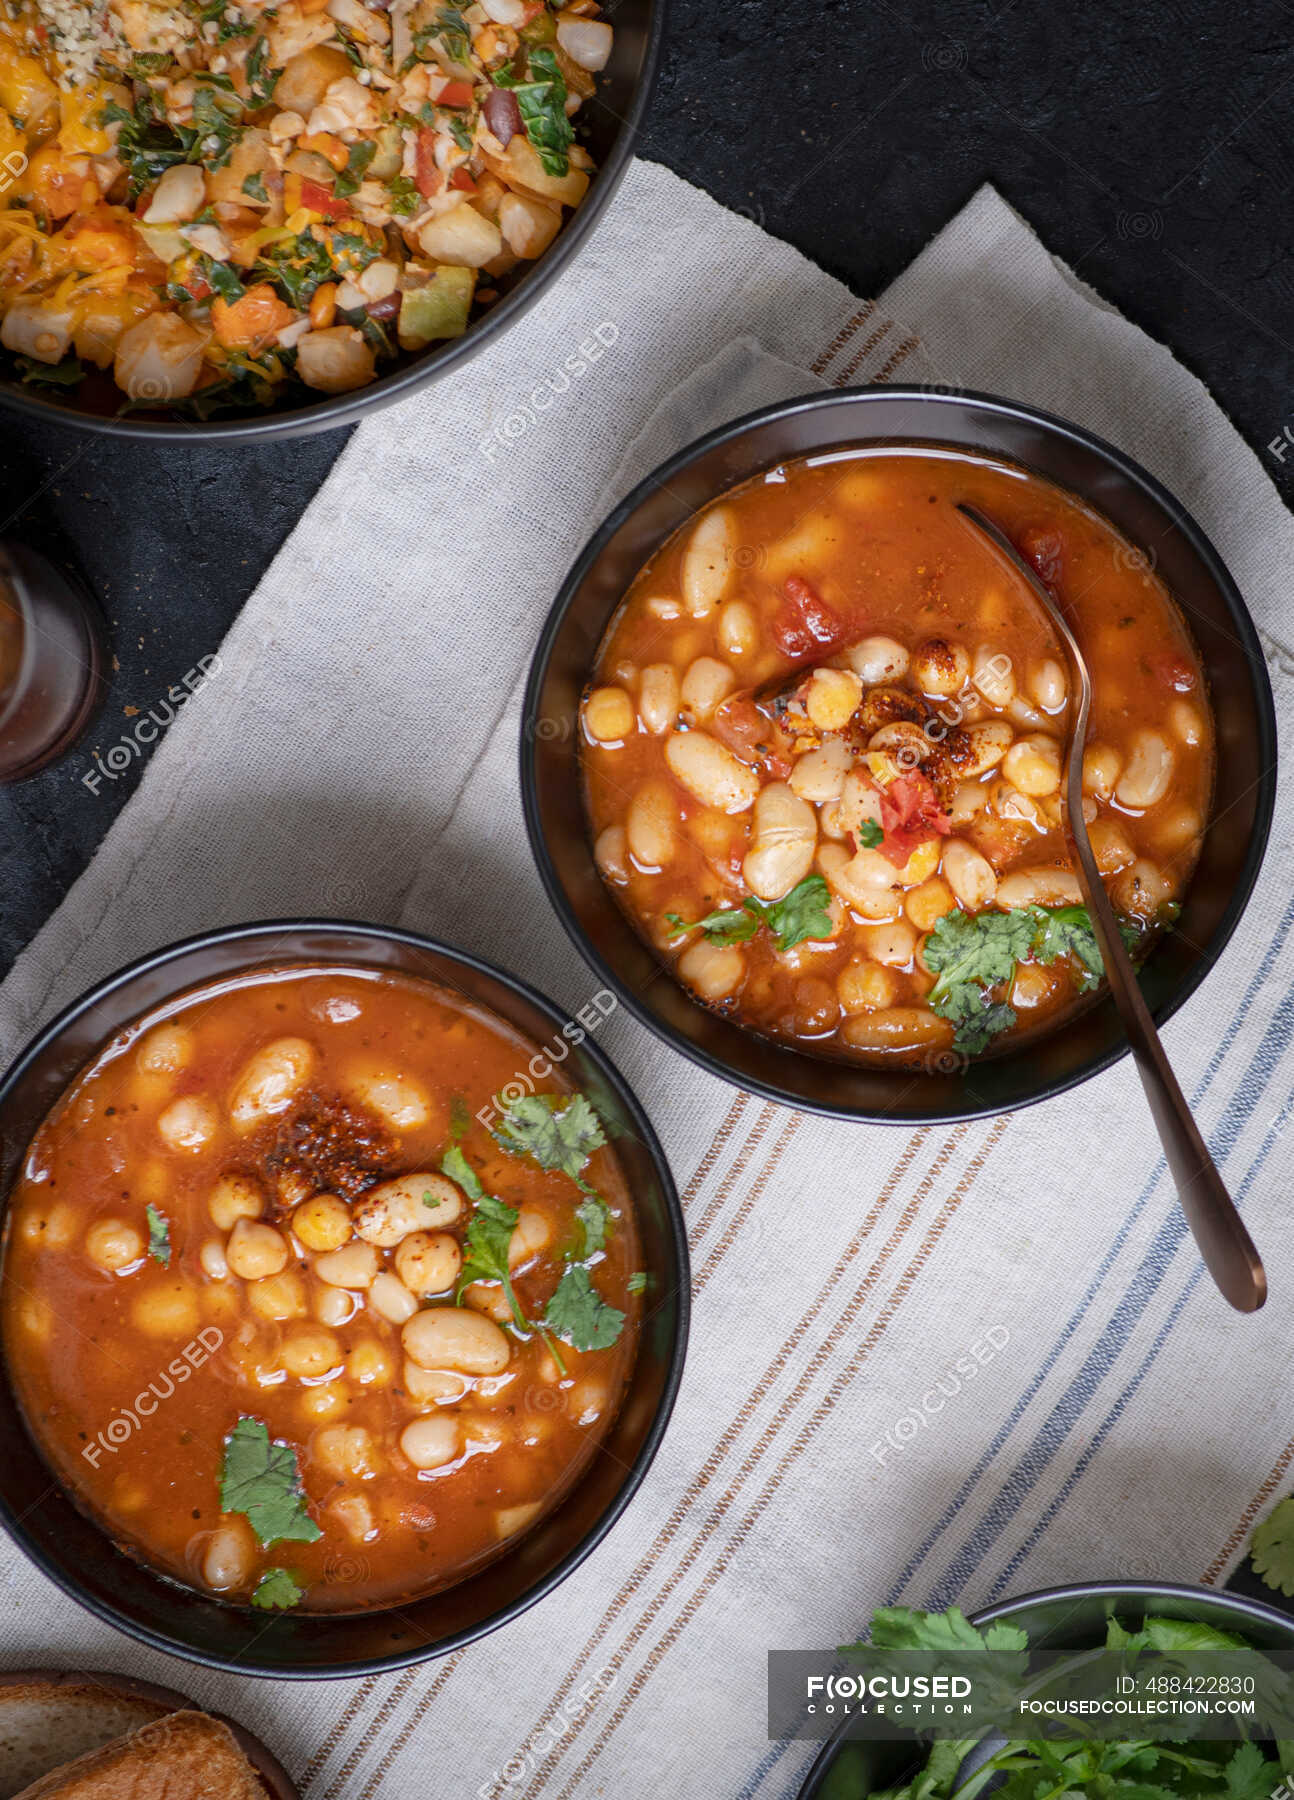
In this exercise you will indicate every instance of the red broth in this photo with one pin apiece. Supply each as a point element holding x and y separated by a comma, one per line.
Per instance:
<point>240,1212</point>
<point>822,755</point>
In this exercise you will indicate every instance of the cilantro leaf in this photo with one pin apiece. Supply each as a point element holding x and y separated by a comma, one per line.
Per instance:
<point>276,1589</point>
<point>637,1282</point>
<point>456,1166</point>
<point>260,1479</point>
<point>870,835</point>
<point>946,1633</point>
<point>1272,1547</point>
<point>542,102</point>
<point>159,1236</point>
<point>1249,1775</point>
<point>556,1135</point>
<point>485,1252</point>
<point>594,1216</point>
<point>578,1314</point>
<point>802,913</point>
<point>60,374</point>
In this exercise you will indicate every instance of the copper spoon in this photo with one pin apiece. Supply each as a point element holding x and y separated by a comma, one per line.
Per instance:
<point>1227,1248</point>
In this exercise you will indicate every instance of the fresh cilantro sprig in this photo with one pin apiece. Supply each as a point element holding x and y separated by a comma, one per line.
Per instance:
<point>554,1132</point>
<point>800,914</point>
<point>276,1590</point>
<point>1272,1547</point>
<point>970,954</point>
<point>159,1236</point>
<point>578,1314</point>
<point>260,1479</point>
<point>485,1248</point>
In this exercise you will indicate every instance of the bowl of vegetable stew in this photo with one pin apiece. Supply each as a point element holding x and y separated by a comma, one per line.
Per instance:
<point>249,222</point>
<point>792,738</point>
<point>394,1284</point>
<point>1194,1622</point>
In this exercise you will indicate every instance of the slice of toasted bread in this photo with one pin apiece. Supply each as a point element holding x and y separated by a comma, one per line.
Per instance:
<point>48,1718</point>
<point>184,1756</point>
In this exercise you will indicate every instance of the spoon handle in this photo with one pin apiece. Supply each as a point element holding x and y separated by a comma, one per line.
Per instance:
<point>1227,1249</point>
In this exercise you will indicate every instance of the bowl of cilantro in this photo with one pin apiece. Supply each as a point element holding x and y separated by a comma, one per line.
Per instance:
<point>973,954</point>
<point>1180,1649</point>
<point>74,1546</point>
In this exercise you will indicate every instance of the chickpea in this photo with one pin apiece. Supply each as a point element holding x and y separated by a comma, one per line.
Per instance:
<point>390,1299</point>
<point>235,1197</point>
<point>658,698</point>
<point>427,1387</point>
<point>355,1516</point>
<point>939,667</point>
<point>711,773</point>
<point>816,1007</point>
<point>714,970</point>
<point>227,1560</point>
<point>446,1337</point>
<point>609,715</point>
<point>1102,766</point>
<point>832,698</point>
<point>650,826</point>
<point>428,1262</point>
<point>255,1250</point>
<point>1049,685</point>
<point>1176,827</point>
<point>166,1050</point>
<point>878,659</point>
<point>317,1405</point>
<point>312,1355</point>
<point>993,676</point>
<point>370,1363</point>
<point>270,1081</point>
<point>430,1443</point>
<point>353,1266</point>
<point>323,1223</point>
<point>189,1123</point>
<point>927,904</point>
<point>738,629</point>
<point>393,1210</point>
<point>889,944</point>
<point>166,1309</point>
<point>707,561</point>
<point>865,987</point>
<point>113,1244</point>
<point>970,875</point>
<point>706,685</point>
<point>611,853</point>
<point>212,1260</point>
<point>347,1450</point>
<point>1032,764</point>
<point>280,1296</point>
<point>907,744</point>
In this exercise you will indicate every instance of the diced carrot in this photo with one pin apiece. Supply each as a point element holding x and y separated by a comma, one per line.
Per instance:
<point>455,93</point>
<point>252,322</point>
<point>462,180</point>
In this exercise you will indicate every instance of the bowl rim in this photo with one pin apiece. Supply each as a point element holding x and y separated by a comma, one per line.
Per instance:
<point>993,405</point>
<point>12,1524</point>
<point>332,412</point>
<point>1258,1610</point>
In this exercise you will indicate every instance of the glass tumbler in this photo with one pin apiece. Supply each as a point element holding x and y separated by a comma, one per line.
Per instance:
<point>51,662</point>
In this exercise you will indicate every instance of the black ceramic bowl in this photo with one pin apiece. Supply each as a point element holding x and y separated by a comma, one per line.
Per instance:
<point>1063,1618</point>
<point>607,126</point>
<point>77,1555</point>
<point>1074,459</point>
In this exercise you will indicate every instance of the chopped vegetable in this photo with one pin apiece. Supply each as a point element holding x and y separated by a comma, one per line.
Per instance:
<point>556,1132</point>
<point>159,1236</point>
<point>578,1313</point>
<point>800,914</point>
<point>276,1590</point>
<point>260,1479</point>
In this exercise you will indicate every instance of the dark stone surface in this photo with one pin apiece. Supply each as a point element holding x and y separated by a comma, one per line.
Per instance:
<point>1151,147</point>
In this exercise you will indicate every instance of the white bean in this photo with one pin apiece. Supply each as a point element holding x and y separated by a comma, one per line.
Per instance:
<point>1141,889</point>
<point>271,1081</point>
<point>430,1443</point>
<point>166,1050</point>
<point>714,970</point>
<point>658,698</point>
<point>428,1386</point>
<point>611,853</point>
<point>993,675</point>
<point>1147,772</point>
<point>1049,685</point>
<point>353,1266</point>
<point>820,774</point>
<point>212,1259</point>
<point>393,1210</point>
<point>738,629</point>
<point>449,1337</point>
<point>1187,722</point>
<point>226,1562</point>
<point>878,659</point>
<point>785,838</point>
<point>986,744</point>
<point>1102,766</point>
<point>390,1299</point>
<point>892,944</point>
<point>707,561</point>
<point>531,1235</point>
<point>969,875</point>
<point>896,1028</point>
<point>706,683</point>
<point>189,1123</point>
<point>1110,845</point>
<point>710,772</point>
<point>397,1097</point>
<point>651,826</point>
<point>1038,887</point>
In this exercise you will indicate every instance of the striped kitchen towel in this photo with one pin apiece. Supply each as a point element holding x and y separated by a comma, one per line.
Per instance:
<point>937,1366</point>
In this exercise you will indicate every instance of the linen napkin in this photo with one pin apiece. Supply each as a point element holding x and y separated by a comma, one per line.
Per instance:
<point>353,753</point>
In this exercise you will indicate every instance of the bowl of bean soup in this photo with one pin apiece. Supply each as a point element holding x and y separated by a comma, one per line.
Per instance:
<point>343,1298</point>
<point>794,738</point>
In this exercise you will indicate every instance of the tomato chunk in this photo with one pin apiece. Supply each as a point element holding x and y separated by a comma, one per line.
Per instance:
<point>910,816</point>
<point>804,624</point>
<point>427,175</point>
